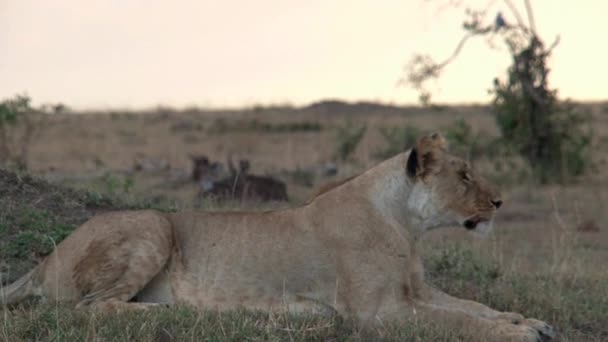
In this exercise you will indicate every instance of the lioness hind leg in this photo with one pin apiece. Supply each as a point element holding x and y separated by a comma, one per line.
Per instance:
<point>121,280</point>
<point>115,268</point>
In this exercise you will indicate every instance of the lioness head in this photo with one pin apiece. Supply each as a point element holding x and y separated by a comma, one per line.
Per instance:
<point>446,190</point>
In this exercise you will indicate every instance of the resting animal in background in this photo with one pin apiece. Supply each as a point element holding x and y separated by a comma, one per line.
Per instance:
<point>239,185</point>
<point>351,251</point>
<point>205,172</point>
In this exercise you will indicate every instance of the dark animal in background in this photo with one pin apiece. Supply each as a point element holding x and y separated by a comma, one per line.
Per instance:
<point>204,172</point>
<point>238,185</point>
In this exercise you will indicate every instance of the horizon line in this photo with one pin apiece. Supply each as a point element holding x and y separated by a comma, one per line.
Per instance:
<point>279,104</point>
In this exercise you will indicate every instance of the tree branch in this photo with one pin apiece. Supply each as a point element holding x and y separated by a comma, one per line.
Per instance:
<point>456,51</point>
<point>530,16</point>
<point>516,14</point>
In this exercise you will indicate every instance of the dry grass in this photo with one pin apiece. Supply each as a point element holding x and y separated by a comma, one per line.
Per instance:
<point>53,323</point>
<point>575,305</point>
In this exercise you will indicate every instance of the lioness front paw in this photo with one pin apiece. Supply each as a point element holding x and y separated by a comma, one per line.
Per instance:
<point>516,333</point>
<point>546,331</point>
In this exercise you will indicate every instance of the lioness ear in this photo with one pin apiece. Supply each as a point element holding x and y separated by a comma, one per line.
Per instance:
<point>424,157</point>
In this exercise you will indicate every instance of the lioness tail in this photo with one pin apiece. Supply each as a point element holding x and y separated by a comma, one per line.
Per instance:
<point>19,290</point>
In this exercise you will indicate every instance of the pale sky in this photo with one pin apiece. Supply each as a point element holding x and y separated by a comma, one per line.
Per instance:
<point>142,53</point>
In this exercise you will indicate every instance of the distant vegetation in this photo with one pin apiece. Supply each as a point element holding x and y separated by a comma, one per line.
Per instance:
<point>19,123</point>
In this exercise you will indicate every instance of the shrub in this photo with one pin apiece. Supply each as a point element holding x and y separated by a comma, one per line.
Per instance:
<point>14,143</point>
<point>549,134</point>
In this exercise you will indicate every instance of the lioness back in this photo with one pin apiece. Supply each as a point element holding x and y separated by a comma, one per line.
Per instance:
<point>269,254</point>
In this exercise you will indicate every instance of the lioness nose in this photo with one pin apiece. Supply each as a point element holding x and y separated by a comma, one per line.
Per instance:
<point>497,202</point>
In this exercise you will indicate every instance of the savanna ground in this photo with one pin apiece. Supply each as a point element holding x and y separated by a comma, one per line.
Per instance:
<point>547,258</point>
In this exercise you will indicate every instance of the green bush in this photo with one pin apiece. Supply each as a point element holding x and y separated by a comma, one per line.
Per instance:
<point>14,143</point>
<point>552,136</point>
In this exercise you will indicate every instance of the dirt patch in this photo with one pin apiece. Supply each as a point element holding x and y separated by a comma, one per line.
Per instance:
<point>72,206</point>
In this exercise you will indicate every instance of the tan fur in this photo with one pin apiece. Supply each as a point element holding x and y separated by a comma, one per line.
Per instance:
<point>351,251</point>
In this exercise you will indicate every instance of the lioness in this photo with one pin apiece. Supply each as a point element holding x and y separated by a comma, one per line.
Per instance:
<point>351,251</point>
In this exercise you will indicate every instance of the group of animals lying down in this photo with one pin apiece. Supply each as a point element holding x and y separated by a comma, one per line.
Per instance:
<point>350,251</point>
